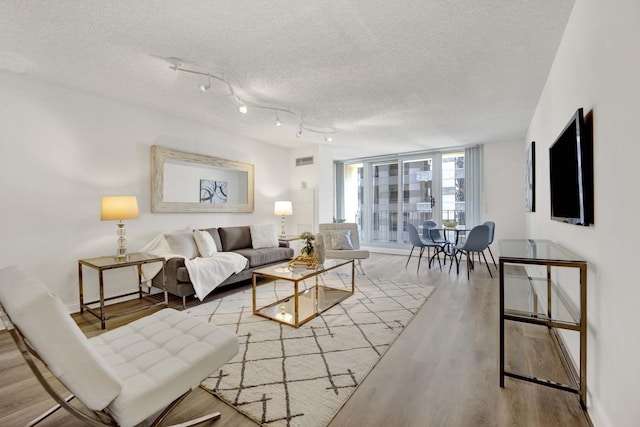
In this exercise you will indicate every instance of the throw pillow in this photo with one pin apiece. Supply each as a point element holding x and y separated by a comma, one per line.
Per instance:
<point>341,240</point>
<point>264,236</point>
<point>182,243</point>
<point>204,241</point>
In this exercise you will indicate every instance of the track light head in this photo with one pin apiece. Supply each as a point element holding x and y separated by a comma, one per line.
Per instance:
<point>205,87</point>
<point>328,138</point>
<point>299,133</point>
<point>278,122</point>
<point>242,108</point>
<point>176,63</point>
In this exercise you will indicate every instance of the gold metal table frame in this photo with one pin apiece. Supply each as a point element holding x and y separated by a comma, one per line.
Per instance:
<point>109,263</point>
<point>303,305</point>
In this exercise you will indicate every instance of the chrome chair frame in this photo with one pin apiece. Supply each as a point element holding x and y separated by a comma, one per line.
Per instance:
<point>97,418</point>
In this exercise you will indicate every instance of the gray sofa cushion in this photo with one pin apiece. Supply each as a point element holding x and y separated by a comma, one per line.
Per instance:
<point>258,257</point>
<point>233,238</point>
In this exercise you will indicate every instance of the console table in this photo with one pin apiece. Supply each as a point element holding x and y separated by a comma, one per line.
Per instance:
<point>108,263</point>
<point>544,303</point>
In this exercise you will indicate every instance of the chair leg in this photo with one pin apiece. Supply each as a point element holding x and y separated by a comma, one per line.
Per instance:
<point>46,414</point>
<point>492,258</point>
<point>420,258</point>
<point>455,258</point>
<point>439,263</point>
<point>409,259</point>
<point>485,261</point>
<point>195,421</point>
<point>361,269</point>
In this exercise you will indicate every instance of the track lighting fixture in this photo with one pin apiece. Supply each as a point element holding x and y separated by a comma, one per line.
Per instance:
<point>205,87</point>
<point>177,64</point>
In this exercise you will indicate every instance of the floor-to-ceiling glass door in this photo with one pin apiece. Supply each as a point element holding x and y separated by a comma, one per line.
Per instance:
<point>421,195</point>
<point>382,195</point>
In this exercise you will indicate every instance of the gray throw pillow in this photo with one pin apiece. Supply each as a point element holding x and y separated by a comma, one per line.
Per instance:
<point>341,240</point>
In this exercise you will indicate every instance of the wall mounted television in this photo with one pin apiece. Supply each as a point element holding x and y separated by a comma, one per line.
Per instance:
<point>571,173</point>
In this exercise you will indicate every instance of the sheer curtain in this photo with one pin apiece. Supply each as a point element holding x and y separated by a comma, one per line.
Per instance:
<point>473,165</point>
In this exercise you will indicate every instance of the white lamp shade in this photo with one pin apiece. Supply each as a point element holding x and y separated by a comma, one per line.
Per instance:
<point>119,208</point>
<point>283,208</point>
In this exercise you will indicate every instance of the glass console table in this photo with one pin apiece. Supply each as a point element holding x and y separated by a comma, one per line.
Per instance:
<point>540,301</point>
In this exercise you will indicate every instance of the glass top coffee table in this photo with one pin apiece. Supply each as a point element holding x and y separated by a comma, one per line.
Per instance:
<point>309,295</point>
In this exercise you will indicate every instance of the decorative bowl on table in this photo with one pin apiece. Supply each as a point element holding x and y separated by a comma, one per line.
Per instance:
<point>449,223</point>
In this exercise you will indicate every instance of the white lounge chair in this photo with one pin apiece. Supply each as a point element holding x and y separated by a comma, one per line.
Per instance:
<point>136,372</point>
<point>341,241</point>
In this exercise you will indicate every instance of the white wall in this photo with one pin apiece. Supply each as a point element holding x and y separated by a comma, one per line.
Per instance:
<point>503,190</point>
<point>597,67</point>
<point>317,177</point>
<point>62,150</point>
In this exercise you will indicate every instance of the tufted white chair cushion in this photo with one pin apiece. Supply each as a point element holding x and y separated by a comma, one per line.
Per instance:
<point>158,358</point>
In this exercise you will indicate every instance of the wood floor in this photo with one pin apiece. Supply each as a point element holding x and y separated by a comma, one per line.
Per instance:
<point>442,370</point>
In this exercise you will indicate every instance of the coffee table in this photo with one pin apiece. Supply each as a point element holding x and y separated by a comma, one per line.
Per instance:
<point>301,305</point>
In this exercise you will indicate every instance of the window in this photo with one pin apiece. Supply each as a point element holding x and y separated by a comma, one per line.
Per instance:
<point>384,193</point>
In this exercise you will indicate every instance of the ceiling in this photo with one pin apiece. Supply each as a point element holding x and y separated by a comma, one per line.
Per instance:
<point>387,76</point>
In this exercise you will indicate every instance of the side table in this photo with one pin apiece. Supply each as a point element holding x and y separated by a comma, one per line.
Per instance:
<point>109,263</point>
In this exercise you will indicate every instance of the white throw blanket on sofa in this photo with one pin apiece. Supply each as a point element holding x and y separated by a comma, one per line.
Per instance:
<point>205,273</point>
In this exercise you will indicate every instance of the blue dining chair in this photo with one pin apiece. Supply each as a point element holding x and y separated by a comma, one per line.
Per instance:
<point>419,242</point>
<point>477,241</point>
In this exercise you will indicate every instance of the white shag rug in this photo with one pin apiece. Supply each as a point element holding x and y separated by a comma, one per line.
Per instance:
<point>283,376</point>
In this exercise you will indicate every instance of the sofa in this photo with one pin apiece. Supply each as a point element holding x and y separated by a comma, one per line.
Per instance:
<point>227,239</point>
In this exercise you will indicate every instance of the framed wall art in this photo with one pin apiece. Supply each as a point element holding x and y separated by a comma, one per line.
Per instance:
<point>530,178</point>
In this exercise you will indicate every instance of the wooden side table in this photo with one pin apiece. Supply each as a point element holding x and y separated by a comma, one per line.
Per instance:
<point>109,263</point>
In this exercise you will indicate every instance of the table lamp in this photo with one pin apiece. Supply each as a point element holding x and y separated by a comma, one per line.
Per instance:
<point>119,208</point>
<point>283,208</point>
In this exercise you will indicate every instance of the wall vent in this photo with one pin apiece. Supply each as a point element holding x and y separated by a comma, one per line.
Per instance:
<point>303,161</point>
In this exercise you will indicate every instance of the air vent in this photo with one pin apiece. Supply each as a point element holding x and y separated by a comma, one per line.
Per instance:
<point>303,161</point>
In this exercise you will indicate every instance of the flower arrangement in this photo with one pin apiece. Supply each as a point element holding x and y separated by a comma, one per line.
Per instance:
<point>306,260</point>
<point>308,248</point>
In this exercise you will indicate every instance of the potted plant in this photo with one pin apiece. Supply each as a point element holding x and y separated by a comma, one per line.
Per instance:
<point>306,259</point>
<point>308,248</point>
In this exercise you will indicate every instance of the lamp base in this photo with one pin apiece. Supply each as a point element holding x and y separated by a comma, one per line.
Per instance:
<point>283,234</point>
<point>121,253</point>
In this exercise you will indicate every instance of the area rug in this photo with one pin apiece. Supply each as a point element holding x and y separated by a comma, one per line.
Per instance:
<point>283,376</point>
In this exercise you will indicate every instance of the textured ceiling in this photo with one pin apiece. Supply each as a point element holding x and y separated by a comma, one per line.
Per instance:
<point>389,76</point>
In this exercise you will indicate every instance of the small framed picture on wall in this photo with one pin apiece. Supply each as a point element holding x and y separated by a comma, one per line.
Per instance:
<point>530,178</point>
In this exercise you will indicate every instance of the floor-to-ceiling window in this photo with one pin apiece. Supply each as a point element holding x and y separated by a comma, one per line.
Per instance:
<point>383,194</point>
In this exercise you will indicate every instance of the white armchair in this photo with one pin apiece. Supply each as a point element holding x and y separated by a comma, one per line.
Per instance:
<point>342,241</point>
<point>126,375</point>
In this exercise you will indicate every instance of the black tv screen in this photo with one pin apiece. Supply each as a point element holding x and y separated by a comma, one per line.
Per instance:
<point>571,174</point>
